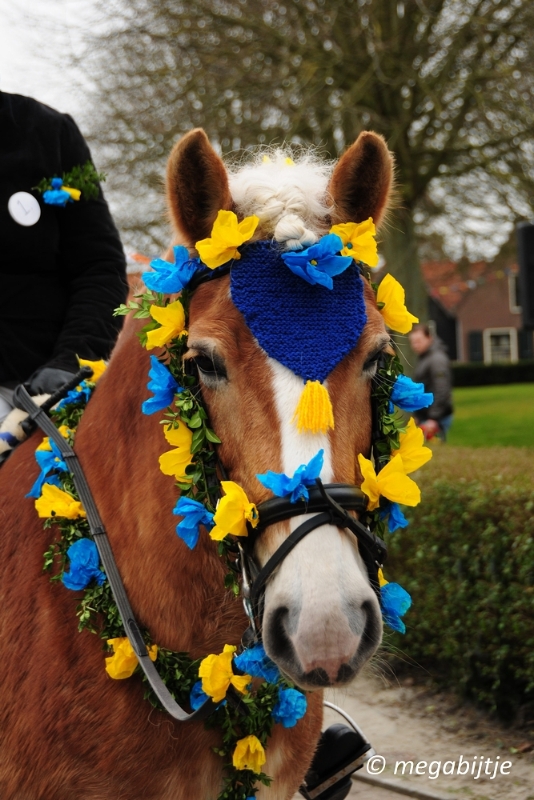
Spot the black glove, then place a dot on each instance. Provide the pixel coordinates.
(47, 380)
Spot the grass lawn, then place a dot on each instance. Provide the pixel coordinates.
(493, 415)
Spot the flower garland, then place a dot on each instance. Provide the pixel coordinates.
(269, 697)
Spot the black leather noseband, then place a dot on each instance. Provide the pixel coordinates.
(333, 501)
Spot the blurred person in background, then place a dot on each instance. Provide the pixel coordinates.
(433, 369)
(62, 266)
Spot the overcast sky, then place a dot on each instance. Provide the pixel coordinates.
(36, 38)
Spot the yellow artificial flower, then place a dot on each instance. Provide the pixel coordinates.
(358, 240)
(74, 193)
(172, 321)
(391, 482)
(381, 580)
(395, 314)
(217, 675)
(411, 449)
(55, 501)
(174, 462)
(45, 444)
(124, 660)
(249, 754)
(232, 512)
(227, 235)
(98, 367)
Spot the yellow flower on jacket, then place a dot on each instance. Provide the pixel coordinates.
(217, 675)
(359, 240)
(124, 660)
(232, 512)
(411, 449)
(54, 501)
(391, 482)
(174, 462)
(395, 314)
(249, 754)
(227, 235)
(98, 367)
(172, 321)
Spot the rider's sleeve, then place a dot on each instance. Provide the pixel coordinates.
(92, 265)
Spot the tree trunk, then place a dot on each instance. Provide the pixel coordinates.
(399, 248)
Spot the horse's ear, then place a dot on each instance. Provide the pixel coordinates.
(197, 186)
(362, 180)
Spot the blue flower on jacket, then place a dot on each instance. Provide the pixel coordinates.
(194, 514)
(409, 396)
(320, 262)
(50, 462)
(282, 485)
(257, 663)
(396, 518)
(84, 561)
(56, 196)
(395, 603)
(80, 394)
(291, 707)
(162, 384)
(170, 278)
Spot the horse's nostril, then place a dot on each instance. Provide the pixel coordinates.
(276, 635)
(345, 674)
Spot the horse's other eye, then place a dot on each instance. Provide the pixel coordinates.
(371, 363)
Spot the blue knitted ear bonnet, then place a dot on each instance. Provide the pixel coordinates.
(307, 328)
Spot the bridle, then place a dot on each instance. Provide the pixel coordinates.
(329, 504)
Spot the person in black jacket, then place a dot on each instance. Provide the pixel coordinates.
(62, 268)
(433, 369)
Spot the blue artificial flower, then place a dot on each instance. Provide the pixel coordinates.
(169, 278)
(194, 514)
(56, 196)
(396, 518)
(395, 603)
(318, 263)
(409, 396)
(162, 384)
(291, 707)
(281, 485)
(256, 662)
(84, 561)
(197, 697)
(79, 395)
(50, 462)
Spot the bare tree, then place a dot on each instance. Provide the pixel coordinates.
(448, 83)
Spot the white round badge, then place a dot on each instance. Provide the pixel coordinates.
(24, 208)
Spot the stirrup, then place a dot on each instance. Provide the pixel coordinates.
(341, 751)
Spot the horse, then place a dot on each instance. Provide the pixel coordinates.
(66, 729)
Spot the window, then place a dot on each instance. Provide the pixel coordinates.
(500, 345)
(513, 294)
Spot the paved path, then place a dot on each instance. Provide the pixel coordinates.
(405, 723)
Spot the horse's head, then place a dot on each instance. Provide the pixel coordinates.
(321, 617)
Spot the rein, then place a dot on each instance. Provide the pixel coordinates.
(100, 537)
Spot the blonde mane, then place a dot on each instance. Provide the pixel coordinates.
(288, 193)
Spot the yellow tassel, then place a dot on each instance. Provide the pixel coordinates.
(314, 411)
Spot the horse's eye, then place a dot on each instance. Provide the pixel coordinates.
(211, 370)
(369, 368)
(205, 364)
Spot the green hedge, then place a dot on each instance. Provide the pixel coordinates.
(467, 559)
(491, 374)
